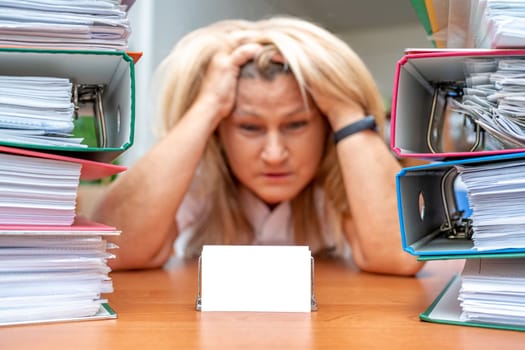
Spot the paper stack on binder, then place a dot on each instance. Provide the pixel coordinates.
(86, 24)
(495, 192)
(51, 274)
(472, 24)
(493, 290)
(497, 24)
(40, 188)
(53, 263)
(489, 293)
(37, 191)
(37, 109)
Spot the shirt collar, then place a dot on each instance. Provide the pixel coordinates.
(271, 226)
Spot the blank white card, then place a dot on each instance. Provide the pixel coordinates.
(256, 278)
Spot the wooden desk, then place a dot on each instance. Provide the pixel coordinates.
(356, 311)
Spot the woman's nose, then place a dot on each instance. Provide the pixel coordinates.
(275, 150)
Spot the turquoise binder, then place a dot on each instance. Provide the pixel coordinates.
(422, 213)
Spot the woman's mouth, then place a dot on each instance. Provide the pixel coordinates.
(277, 176)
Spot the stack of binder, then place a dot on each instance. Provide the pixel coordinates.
(67, 109)
(463, 111)
(54, 263)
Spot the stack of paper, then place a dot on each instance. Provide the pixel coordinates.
(65, 24)
(37, 110)
(494, 98)
(495, 194)
(37, 191)
(54, 273)
(53, 264)
(497, 23)
(493, 291)
(473, 23)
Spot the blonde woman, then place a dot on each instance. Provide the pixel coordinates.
(271, 135)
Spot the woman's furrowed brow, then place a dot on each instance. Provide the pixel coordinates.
(240, 112)
(298, 110)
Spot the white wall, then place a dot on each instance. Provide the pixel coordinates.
(159, 24)
(380, 49)
(142, 39)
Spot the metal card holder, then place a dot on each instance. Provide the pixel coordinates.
(198, 302)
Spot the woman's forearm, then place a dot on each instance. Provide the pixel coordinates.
(144, 200)
(369, 172)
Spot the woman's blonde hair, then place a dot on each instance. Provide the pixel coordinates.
(319, 61)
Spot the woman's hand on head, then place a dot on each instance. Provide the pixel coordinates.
(338, 111)
(218, 89)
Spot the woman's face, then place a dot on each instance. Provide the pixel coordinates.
(273, 142)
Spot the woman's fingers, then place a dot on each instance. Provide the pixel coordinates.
(245, 53)
(278, 57)
(241, 37)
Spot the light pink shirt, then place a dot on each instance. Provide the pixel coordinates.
(272, 227)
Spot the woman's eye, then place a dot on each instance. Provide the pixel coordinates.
(250, 127)
(296, 125)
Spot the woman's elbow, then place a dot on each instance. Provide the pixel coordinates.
(400, 265)
(136, 260)
(118, 264)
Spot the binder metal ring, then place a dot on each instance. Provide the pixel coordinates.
(455, 225)
(92, 93)
(436, 124)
